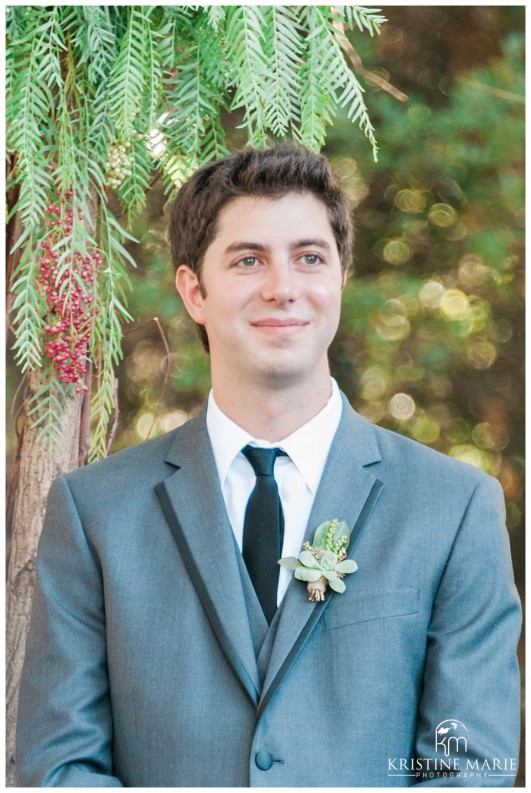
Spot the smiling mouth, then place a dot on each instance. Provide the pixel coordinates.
(280, 327)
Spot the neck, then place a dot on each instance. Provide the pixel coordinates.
(271, 414)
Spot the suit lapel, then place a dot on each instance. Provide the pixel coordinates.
(349, 492)
(194, 508)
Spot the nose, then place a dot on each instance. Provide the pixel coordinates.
(280, 282)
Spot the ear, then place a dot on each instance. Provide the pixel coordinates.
(188, 286)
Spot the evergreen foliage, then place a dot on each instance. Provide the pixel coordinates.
(101, 99)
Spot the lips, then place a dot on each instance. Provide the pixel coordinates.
(279, 323)
(280, 327)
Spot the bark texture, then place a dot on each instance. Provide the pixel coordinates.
(38, 467)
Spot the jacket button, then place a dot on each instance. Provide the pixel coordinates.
(263, 760)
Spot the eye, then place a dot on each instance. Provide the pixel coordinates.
(311, 259)
(248, 262)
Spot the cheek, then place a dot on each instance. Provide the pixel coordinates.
(228, 309)
(325, 295)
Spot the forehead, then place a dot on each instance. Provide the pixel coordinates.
(292, 211)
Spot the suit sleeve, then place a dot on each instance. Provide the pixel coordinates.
(64, 732)
(471, 672)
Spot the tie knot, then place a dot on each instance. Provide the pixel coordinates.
(262, 460)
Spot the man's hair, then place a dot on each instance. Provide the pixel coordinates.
(269, 173)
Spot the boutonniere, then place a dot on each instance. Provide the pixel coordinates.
(323, 562)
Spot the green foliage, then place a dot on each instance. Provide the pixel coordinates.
(285, 54)
(365, 18)
(131, 73)
(48, 403)
(101, 100)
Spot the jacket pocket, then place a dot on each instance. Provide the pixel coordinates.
(371, 606)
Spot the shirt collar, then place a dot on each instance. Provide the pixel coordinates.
(307, 447)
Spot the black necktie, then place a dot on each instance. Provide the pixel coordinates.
(263, 528)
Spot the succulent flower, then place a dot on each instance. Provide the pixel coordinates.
(323, 562)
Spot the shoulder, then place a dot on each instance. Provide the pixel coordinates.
(419, 465)
(131, 458)
(411, 452)
(139, 466)
(123, 475)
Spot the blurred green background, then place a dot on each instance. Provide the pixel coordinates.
(431, 339)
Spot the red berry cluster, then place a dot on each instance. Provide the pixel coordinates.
(69, 297)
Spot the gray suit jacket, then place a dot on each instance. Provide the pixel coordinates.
(149, 661)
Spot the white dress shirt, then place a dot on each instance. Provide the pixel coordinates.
(297, 475)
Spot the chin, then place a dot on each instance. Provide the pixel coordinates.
(282, 374)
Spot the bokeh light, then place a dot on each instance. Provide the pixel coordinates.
(431, 294)
(487, 436)
(425, 429)
(472, 271)
(454, 303)
(412, 201)
(374, 383)
(480, 354)
(402, 406)
(397, 252)
(442, 215)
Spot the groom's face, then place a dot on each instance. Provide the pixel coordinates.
(270, 289)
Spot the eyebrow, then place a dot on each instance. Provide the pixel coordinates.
(316, 242)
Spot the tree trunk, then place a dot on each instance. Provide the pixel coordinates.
(38, 467)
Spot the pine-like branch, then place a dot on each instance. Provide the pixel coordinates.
(343, 85)
(284, 49)
(30, 111)
(318, 94)
(245, 49)
(190, 127)
(370, 19)
(131, 71)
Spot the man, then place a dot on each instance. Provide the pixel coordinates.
(168, 647)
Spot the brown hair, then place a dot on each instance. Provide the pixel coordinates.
(271, 173)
